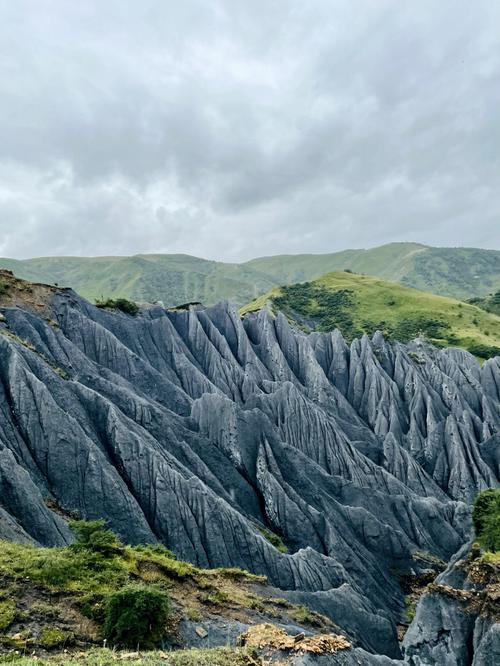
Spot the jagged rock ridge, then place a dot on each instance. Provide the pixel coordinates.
(196, 429)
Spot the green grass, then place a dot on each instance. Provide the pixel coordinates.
(274, 539)
(7, 613)
(178, 278)
(97, 587)
(105, 657)
(410, 609)
(359, 304)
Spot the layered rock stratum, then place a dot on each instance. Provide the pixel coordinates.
(201, 430)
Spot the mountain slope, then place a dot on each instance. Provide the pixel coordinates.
(457, 272)
(392, 262)
(358, 304)
(176, 427)
(172, 279)
(175, 279)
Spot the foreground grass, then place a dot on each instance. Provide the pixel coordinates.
(105, 657)
(358, 304)
(57, 599)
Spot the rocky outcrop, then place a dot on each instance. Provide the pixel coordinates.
(200, 430)
(457, 619)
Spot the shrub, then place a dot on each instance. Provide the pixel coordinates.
(484, 351)
(412, 327)
(123, 304)
(136, 615)
(486, 518)
(92, 535)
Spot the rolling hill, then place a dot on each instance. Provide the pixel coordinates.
(457, 272)
(176, 278)
(358, 304)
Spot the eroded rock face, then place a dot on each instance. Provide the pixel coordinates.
(457, 619)
(197, 429)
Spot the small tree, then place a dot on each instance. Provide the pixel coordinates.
(136, 615)
(486, 518)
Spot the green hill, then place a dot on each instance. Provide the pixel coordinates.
(178, 278)
(173, 279)
(457, 272)
(358, 304)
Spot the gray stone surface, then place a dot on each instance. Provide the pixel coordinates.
(196, 429)
(444, 631)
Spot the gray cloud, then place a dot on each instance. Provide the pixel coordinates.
(231, 129)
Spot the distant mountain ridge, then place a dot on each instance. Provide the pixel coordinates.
(178, 278)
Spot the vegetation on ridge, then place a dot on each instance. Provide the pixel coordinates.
(358, 304)
(97, 588)
(123, 304)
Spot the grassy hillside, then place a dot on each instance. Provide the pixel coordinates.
(457, 272)
(173, 279)
(177, 278)
(357, 304)
(65, 600)
(391, 261)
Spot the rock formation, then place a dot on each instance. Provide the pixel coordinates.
(201, 430)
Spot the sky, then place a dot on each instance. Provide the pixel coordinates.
(235, 129)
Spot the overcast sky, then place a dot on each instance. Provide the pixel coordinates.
(233, 129)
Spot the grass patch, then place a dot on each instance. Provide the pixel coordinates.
(273, 539)
(410, 609)
(7, 613)
(52, 637)
(491, 558)
(97, 588)
(106, 657)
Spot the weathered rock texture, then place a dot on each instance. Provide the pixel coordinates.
(457, 619)
(197, 429)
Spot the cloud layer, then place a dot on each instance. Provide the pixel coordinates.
(231, 129)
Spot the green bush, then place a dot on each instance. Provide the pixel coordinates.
(484, 351)
(92, 535)
(486, 519)
(412, 327)
(123, 304)
(136, 616)
(273, 539)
